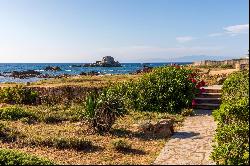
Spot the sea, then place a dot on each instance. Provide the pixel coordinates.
(68, 68)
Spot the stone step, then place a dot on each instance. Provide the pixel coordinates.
(210, 95)
(207, 106)
(200, 100)
(212, 90)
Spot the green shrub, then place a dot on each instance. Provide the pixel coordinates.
(227, 66)
(232, 134)
(187, 112)
(166, 89)
(72, 143)
(14, 157)
(7, 134)
(52, 118)
(15, 113)
(121, 145)
(17, 95)
(235, 87)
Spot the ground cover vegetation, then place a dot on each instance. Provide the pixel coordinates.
(232, 134)
(104, 123)
(13, 157)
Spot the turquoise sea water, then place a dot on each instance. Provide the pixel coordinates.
(68, 69)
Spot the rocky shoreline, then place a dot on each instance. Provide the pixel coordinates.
(27, 74)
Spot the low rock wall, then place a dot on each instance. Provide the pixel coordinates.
(233, 62)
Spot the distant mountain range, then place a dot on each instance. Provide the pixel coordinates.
(193, 58)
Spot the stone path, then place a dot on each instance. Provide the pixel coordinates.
(191, 145)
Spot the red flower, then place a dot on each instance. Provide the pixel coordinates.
(202, 83)
(193, 80)
(198, 86)
(193, 74)
(202, 90)
(193, 102)
(177, 67)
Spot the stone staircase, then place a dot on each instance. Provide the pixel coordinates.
(210, 99)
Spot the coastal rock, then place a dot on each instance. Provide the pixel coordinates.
(44, 76)
(93, 73)
(25, 74)
(107, 61)
(145, 69)
(63, 76)
(75, 66)
(83, 74)
(52, 68)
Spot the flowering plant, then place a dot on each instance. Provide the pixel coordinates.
(198, 86)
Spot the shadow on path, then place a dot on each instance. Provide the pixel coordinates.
(203, 112)
(184, 135)
(143, 136)
(133, 151)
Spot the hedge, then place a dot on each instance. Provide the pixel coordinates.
(232, 133)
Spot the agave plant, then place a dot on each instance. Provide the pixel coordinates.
(90, 105)
(102, 111)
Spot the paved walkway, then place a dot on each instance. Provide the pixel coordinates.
(191, 145)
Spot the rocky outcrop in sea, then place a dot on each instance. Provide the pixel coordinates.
(107, 61)
(53, 68)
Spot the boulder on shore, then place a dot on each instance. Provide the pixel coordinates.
(25, 74)
(52, 68)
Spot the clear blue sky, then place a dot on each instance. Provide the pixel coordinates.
(129, 30)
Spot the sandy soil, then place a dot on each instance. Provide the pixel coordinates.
(225, 71)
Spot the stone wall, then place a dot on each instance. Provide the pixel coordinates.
(237, 63)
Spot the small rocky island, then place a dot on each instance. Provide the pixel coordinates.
(107, 61)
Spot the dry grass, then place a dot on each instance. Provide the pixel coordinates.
(213, 76)
(86, 81)
(145, 148)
